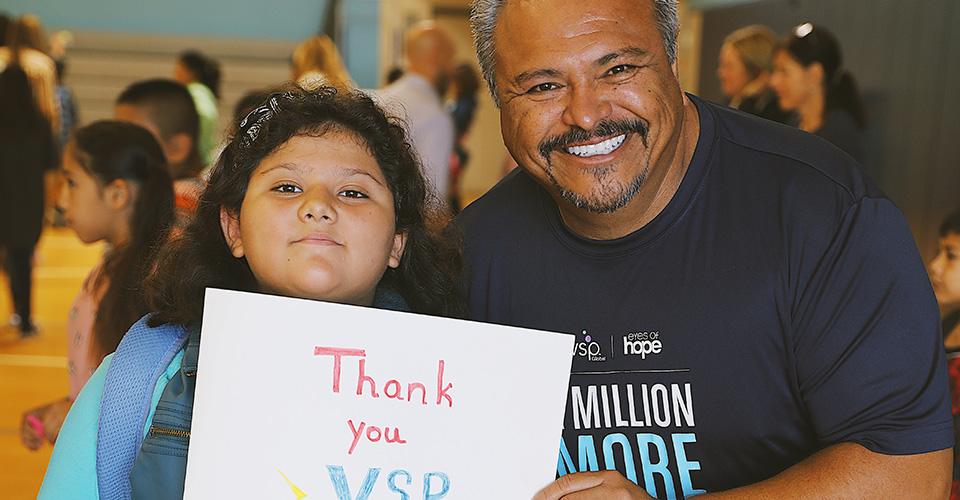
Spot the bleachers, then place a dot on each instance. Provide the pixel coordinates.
(100, 65)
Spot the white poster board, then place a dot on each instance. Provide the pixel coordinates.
(462, 409)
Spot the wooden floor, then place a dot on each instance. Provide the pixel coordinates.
(34, 371)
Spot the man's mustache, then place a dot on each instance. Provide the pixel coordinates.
(606, 128)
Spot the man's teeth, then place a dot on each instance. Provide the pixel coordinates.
(600, 148)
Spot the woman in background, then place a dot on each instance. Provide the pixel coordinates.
(27, 151)
(809, 78)
(316, 63)
(745, 64)
(26, 46)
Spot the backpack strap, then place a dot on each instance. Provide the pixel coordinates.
(142, 356)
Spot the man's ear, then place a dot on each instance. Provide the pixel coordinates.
(399, 242)
(230, 224)
(119, 194)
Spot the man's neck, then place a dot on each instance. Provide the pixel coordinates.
(658, 188)
(426, 75)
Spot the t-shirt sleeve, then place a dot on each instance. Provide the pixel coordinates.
(866, 333)
(72, 471)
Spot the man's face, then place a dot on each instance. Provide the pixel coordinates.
(589, 100)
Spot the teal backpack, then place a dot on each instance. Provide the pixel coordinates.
(130, 465)
(124, 455)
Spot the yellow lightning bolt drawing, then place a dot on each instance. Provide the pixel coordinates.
(296, 491)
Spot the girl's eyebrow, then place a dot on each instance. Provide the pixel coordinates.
(341, 171)
(352, 171)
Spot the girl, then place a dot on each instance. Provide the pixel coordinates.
(945, 277)
(318, 196)
(809, 78)
(117, 190)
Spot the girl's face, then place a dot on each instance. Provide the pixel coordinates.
(732, 73)
(794, 83)
(317, 221)
(945, 272)
(85, 206)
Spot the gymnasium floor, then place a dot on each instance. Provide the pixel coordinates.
(34, 371)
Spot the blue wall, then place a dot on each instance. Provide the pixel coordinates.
(276, 19)
(270, 19)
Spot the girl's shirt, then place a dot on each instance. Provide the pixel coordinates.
(81, 361)
(72, 471)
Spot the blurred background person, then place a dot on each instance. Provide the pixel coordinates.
(69, 116)
(945, 277)
(462, 105)
(117, 190)
(26, 45)
(394, 74)
(417, 97)
(316, 62)
(166, 108)
(201, 75)
(27, 151)
(745, 64)
(810, 80)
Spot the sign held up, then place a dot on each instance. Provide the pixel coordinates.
(299, 398)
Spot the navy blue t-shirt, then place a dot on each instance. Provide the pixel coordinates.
(777, 305)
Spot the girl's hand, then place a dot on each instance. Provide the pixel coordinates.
(31, 429)
(43, 423)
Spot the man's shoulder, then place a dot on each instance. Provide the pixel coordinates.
(506, 204)
(759, 145)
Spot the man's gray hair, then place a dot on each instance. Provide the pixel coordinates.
(483, 20)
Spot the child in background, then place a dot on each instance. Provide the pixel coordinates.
(116, 190)
(317, 196)
(945, 276)
(201, 75)
(166, 108)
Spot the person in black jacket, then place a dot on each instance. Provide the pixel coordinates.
(27, 150)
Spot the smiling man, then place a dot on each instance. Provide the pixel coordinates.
(753, 319)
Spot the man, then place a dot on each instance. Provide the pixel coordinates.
(752, 317)
(166, 108)
(417, 95)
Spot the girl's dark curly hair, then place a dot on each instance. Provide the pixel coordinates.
(200, 258)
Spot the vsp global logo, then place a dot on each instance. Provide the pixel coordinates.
(588, 348)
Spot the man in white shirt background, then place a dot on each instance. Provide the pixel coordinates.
(418, 98)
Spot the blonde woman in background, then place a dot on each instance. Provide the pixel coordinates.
(745, 65)
(26, 46)
(316, 62)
